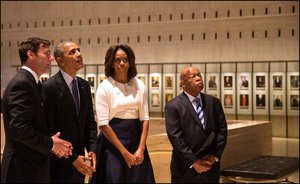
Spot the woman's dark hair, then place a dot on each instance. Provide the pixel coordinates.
(110, 59)
(33, 44)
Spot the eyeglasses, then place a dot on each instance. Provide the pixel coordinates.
(118, 60)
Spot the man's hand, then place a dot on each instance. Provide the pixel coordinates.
(201, 166)
(82, 166)
(92, 156)
(61, 148)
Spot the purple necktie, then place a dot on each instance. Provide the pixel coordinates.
(75, 94)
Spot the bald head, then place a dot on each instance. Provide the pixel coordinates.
(191, 80)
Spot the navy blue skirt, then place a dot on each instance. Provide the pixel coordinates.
(111, 166)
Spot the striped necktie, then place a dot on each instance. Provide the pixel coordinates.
(75, 94)
(199, 111)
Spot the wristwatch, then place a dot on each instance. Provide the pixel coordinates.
(216, 159)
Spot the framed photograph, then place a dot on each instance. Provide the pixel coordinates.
(101, 77)
(143, 77)
(91, 78)
(277, 82)
(155, 100)
(294, 102)
(260, 82)
(244, 101)
(228, 101)
(294, 81)
(293, 93)
(212, 84)
(228, 81)
(277, 101)
(169, 81)
(44, 77)
(243, 81)
(155, 81)
(260, 101)
(212, 81)
(168, 97)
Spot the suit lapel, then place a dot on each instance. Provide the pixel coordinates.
(63, 87)
(186, 103)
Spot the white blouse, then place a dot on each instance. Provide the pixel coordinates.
(124, 101)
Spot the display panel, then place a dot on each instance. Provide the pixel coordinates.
(293, 81)
(294, 102)
(155, 82)
(169, 81)
(244, 93)
(293, 93)
(260, 92)
(228, 101)
(144, 78)
(260, 101)
(228, 81)
(155, 100)
(212, 84)
(155, 92)
(91, 78)
(228, 92)
(278, 93)
(169, 88)
(243, 81)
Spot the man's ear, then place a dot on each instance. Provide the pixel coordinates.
(30, 54)
(59, 61)
(181, 84)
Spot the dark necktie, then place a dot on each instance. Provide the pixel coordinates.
(199, 111)
(39, 84)
(75, 94)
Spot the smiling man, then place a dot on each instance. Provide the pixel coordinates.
(68, 103)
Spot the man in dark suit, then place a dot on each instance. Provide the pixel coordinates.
(71, 112)
(28, 146)
(198, 143)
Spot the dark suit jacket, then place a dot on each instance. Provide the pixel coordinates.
(187, 136)
(80, 130)
(26, 156)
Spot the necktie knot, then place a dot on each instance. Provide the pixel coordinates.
(197, 101)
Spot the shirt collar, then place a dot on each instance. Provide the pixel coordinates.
(67, 77)
(36, 78)
(191, 98)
